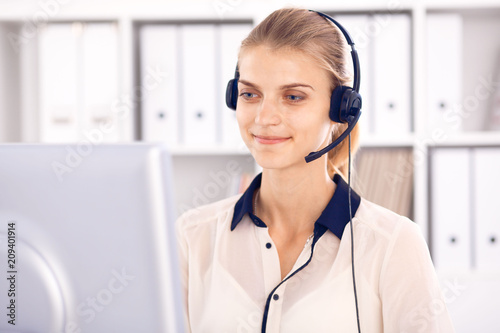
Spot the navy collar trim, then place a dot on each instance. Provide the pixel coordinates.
(335, 216)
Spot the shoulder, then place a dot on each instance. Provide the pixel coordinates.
(396, 253)
(209, 215)
(383, 221)
(395, 242)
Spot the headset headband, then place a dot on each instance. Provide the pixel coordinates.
(354, 53)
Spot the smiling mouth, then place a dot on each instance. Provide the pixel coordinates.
(270, 140)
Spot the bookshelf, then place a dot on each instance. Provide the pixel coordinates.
(22, 91)
(17, 17)
(479, 52)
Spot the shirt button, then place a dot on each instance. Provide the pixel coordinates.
(268, 245)
(276, 297)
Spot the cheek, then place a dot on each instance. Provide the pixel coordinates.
(316, 129)
(240, 118)
(323, 134)
(244, 120)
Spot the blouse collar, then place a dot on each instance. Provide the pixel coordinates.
(334, 217)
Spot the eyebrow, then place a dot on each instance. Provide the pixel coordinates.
(283, 87)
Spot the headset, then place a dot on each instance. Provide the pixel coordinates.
(345, 102)
(345, 107)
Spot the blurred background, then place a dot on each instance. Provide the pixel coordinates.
(93, 72)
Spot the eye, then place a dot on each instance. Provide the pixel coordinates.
(294, 98)
(248, 95)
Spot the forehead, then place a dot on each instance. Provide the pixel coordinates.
(263, 64)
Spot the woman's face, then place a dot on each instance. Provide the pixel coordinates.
(283, 104)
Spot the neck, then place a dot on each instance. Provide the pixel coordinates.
(292, 199)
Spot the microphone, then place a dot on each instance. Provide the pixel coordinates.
(352, 122)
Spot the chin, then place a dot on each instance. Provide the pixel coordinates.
(277, 160)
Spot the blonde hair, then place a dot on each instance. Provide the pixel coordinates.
(308, 32)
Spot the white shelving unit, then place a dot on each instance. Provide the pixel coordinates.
(19, 68)
(19, 117)
(20, 89)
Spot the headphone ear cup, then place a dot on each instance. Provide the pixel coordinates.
(232, 94)
(350, 106)
(336, 103)
(345, 104)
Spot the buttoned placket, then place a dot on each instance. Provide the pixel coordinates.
(272, 275)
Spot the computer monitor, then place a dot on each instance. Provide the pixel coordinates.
(87, 241)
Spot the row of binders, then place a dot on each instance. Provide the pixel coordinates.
(449, 108)
(78, 82)
(186, 106)
(184, 68)
(465, 228)
(383, 43)
(385, 177)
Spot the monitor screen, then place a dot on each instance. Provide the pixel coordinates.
(87, 241)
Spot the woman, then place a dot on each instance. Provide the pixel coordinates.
(278, 258)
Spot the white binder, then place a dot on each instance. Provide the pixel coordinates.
(444, 71)
(450, 208)
(392, 74)
(160, 103)
(486, 211)
(230, 36)
(100, 81)
(198, 84)
(358, 26)
(58, 82)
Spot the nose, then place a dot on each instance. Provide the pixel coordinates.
(268, 113)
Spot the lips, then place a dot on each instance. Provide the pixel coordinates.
(270, 140)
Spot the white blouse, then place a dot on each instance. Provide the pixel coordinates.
(230, 270)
